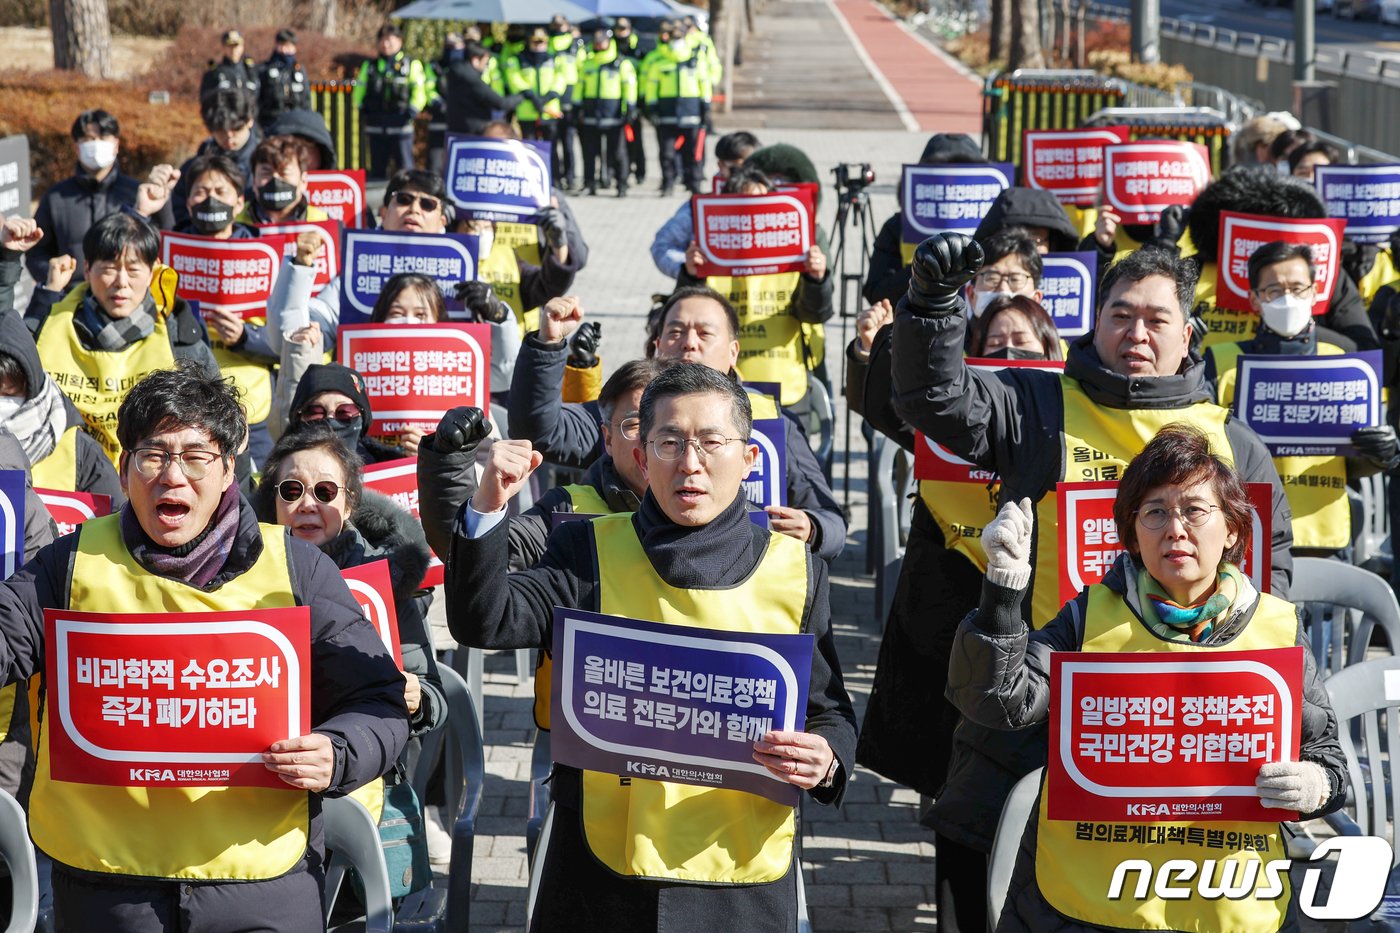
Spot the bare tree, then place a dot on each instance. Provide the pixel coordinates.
(1025, 36)
(1000, 42)
(82, 38)
(322, 17)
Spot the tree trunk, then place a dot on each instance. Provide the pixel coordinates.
(82, 38)
(322, 18)
(1066, 29)
(1000, 40)
(1025, 36)
(724, 22)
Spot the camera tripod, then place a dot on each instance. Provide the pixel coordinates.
(852, 209)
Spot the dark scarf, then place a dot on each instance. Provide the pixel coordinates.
(1272, 344)
(97, 327)
(196, 562)
(719, 555)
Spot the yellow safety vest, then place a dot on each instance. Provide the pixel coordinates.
(961, 511)
(59, 470)
(770, 339)
(96, 381)
(678, 832)
(199, 833)
(512, 244)
(1382, 273)
(253, 379)
(762, 405)
(1097, 443)
(586, 501)
(1074, 874)
(1316, 487)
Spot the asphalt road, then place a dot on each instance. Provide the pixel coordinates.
(1278, 21)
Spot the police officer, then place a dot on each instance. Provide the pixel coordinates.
(569, 52)
(389, 92)
(607, 96)
(629, 45)
(454, 50)
(534, 73)
(234, 70)
(282, 81)
(677, 91)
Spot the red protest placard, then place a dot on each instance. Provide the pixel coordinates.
(1143, 179)
(760, 234)
(175, 699)
(327, 260)
(1242, 234)
(1089, 542)
(374, 591)
(71, 509)
(1151, 737)
(340, 193)
(1068, 163)
(398, 479)
(416, 372)
(235, 275)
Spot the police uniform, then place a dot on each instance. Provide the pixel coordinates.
(569, 53)
(230, 75)
(389, 93)
(677, 94)
(607, 97)
(283, 86)
(547, 79)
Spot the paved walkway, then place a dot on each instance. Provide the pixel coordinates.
(868, 866)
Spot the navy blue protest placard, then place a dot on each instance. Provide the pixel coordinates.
(766, 483)
(1309, 406)
(12, 483)
(674, 702)
(1067, 287)
(1367, 197)
(498, 179)
(938, 198)
(372, 257)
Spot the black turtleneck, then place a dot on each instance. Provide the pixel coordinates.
(718, 555)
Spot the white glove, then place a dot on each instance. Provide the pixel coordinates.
(1007, 542)
(1293, 785)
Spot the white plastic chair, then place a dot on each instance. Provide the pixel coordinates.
(823, 440)
(353, 841)
(541, 766)
(1366, 700)
(1007, 842)
(19, 855)
(464, 775)
(1342, 605)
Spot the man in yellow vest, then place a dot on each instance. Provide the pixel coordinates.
(1123, 381)
(711, 856)
(163, 858)
(1281, 292)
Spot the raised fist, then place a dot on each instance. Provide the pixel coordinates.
(583, 349)
(462, 428)
(1171, 225)
(508, 469)
(943, 264)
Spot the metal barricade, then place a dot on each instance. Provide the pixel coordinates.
(1203, 125)
(1041, 99)
(331, 99)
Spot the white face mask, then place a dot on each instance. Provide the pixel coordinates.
(678, 46)
(484, 241)
(97, 154)
(981, 299)
(1286, 315)
(9, 404)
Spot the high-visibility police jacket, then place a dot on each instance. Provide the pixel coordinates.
(568, 55)
(1074, 872)
(607, 88)
(709, 55)
(548, 78)
(390, 91)
(203, 833)
(655, 829)
(1316, 486)
(676, 89)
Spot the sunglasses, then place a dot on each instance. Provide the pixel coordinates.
(291, 490)
(342, 413)
(408, 199)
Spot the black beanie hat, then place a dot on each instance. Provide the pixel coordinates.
(332, 377)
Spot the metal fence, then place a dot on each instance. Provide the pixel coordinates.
(331, 99)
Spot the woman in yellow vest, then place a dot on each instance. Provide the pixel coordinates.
(162, 857)
(1184, 517)
(526, 265)
(1281, 292)
(772, 308)
(638, 854)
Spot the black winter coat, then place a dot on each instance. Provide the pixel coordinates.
(69, 209)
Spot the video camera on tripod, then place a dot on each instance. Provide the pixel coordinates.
(854, 176)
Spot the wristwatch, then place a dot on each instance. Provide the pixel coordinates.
(830, 778)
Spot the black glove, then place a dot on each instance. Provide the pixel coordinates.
(943, 264)
(583, 348)
(462, 428)
(556, 232)
(480, 300)
(1171, 225)
(1378, 446)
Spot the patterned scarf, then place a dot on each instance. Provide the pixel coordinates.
(1195, 622)
(40, 422)
(196, 562)
(115, 334)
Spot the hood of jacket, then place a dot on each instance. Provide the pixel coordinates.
(16, 341)
(310, 125)
(1112, 390)
(1248, 189)
(788, 163)
(951, 148)
(1030, 207)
